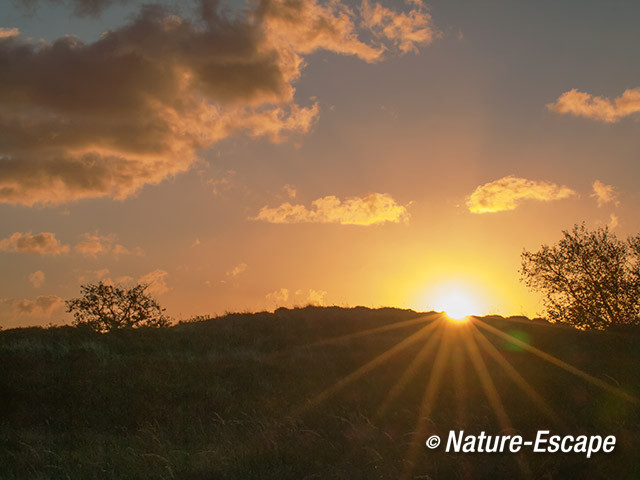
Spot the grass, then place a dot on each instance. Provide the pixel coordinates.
(262, 396)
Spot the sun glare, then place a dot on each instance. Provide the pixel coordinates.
(457, 304)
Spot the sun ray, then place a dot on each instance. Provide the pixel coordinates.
(355, 335)
(491, 393)
(409, 372)
(460, 387)
(559, 363)
(516, 377)
(428, 401)
(367, 367)
(485, 380)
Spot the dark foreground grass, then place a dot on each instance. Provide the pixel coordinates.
(240, 397)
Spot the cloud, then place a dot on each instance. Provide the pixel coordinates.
(406, 31)
(157, 281)
(371, 209)
(40, 310)
(94, 245)
(604, 194)
(508, 192)
(37, 278)
(316, 297)
(237, 270)
(279, 296)
(43, 305)
(290, 190)
(103, 119)
(222, 184)
(585, 105)
(9, 32)
(306, 297)
(44, 243)
(614, 221)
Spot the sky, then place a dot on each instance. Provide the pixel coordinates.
(245, 156)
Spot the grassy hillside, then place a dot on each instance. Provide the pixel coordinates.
(275, 396)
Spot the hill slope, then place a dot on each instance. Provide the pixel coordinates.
(313, 393)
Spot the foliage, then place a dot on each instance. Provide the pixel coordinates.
(589, 279)
(107, 307)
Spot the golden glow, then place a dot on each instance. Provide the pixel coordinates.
(457, 304)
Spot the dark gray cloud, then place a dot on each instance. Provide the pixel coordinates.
(85, 120)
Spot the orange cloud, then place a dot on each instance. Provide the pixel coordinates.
(135, 107)
(604, 194)
(237, 270)
(371, 209)
(279, 296)
(44, 243)
(37, 278)
(94, 245)
(508, 192)
(157, 281)
(614, 221)
(44, 304)
(582, 104)
(406, 31)
(9, 32)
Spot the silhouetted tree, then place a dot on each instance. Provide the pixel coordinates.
(107, 307)
(589, 279)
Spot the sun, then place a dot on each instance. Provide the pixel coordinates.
(457, 304)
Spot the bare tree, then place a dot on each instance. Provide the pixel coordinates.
(589, 279)
(107, 307)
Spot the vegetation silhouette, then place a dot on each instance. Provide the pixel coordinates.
(589, 279)
(315, 392)
(104, 308)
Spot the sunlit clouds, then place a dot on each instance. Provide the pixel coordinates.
(86, 120)
(156, 280)
(299, 297)
(36, 278)
(375, 208)
(581, 104)
(44, 243)
(604, 194)
(16, 312)
(508, 193)
(94, 245)
(8, 32)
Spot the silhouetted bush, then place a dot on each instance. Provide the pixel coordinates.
(590, 279)
(107, 307)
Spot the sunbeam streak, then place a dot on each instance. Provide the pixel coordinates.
(428, 401)
(516, 377)
(410, 371)
(485, 380)
(491, 393)
(355, 335)
(367, 367)
(559, 363)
